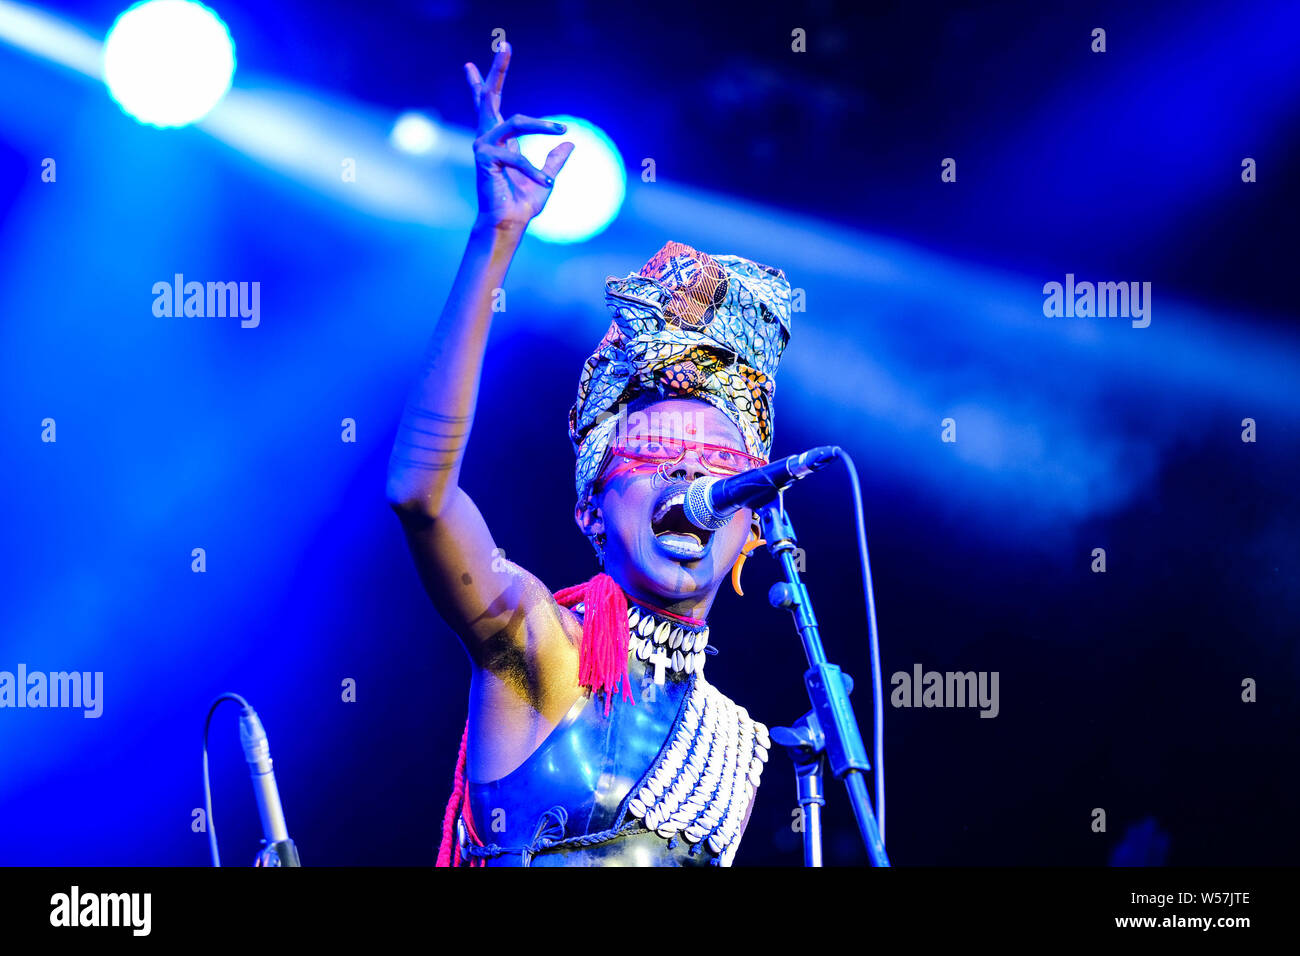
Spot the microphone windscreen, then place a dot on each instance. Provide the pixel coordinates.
(698, 510)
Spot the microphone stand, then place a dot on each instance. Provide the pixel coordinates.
(830, 728)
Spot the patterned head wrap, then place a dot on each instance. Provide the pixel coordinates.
(687, 325)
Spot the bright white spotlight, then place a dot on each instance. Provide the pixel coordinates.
(168, 62)
(588, 192)
(414, 133)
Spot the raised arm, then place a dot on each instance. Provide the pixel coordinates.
(497, 611)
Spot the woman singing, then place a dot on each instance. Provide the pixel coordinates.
(593, 737)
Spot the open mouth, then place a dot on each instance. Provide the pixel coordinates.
(673, 531)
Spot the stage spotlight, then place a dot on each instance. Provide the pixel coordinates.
(588, 193)
(168, 62)
(414, 133)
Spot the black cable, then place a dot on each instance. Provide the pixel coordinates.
(877, 684)
(207, 785)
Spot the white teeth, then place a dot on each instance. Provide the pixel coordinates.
(674, 499)
(686, 546)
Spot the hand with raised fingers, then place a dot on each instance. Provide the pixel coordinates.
(511, 190)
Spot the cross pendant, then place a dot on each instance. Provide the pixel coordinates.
(660, 660)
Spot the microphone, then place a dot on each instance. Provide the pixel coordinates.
(710, 502)
(279, 850)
